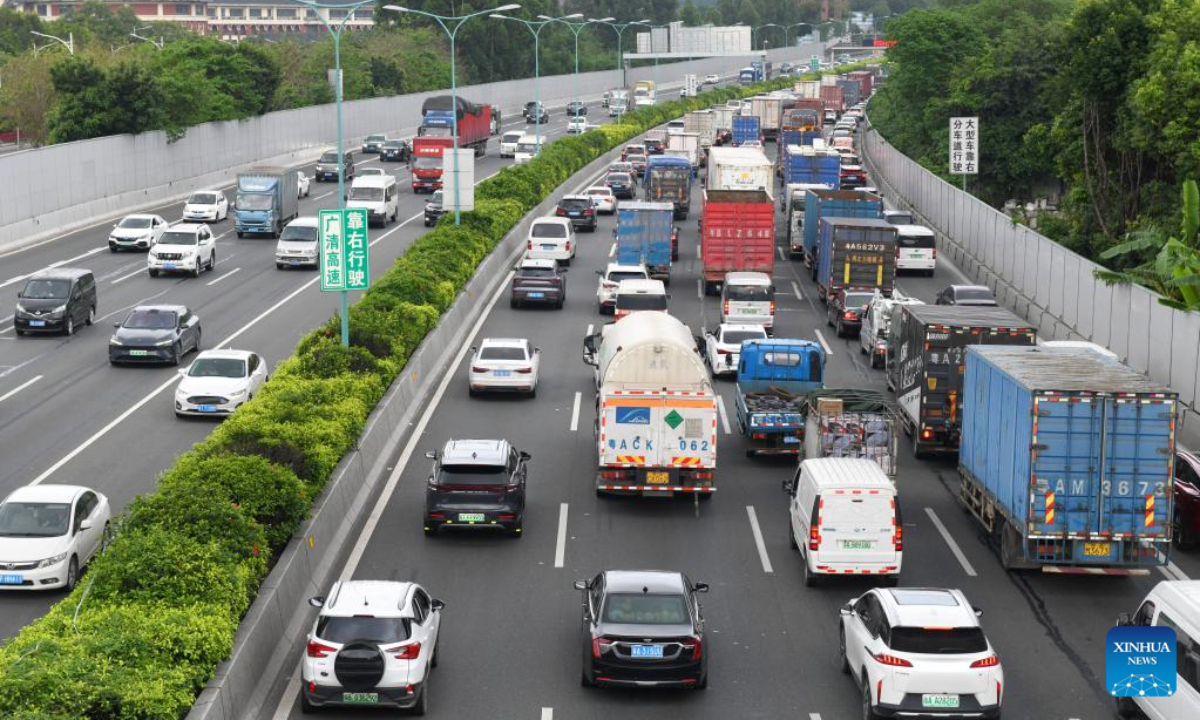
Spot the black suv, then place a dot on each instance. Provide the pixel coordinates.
(533, 109)
(476, 483)
(539, 282)
(327, 166)
(395, 151)
(580, 209)
(846, 308)
(576, 109)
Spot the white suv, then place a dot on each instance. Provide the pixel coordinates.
(187, 247)
(372, 644)
(918, 652)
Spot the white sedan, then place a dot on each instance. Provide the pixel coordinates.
(136, 232)
(603, 198)
(577, 126)
(504, 365)
(219, 381)
(302, 185)
(723, 348)
(48, 533)
(206, 206)
(711, 79)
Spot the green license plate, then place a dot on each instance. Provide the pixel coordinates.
(364, 698)
(857, 545)
(471, 517)
(939, 701)
(139, 353)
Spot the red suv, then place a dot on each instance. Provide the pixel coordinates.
(1187, 499)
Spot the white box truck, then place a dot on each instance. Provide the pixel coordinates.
(740, 168)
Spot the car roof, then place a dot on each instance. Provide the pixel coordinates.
(575, 197)
(146, 216)
(539, 264)
(186, 227)
(160, 308)
(913, 230)
(747, 278)
(737, 327)
(1181, 595)
(847, 473)
(655, 581)
(397, 141)
(228, 354)
(518, 133)
(378, 598)
(474, 452)
(62, 273)
(641, 287)
(218, 191)
(552, 221)
(304, 221)
(45, 493)
(503, 342)
(373, 181)
(957, 288)
(597, 189)
(927, 607)
(618, 267)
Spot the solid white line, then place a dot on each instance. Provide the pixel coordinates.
(575, 413)
(318, 197)
(700, 288)
(723, 414)
(26, 384)
(796, 289)
(814, 716)
(612, 250)
(560, 546)
(123, 278)
(1171, 571)
(958, 553)
(780, 250)
(758, 540)
(547, 713)
(222, 277)
(825, 345)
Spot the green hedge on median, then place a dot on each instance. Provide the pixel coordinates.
(158, 610)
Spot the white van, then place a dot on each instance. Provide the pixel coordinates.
(527, 149)
(509, 142)
(551, 238)
(916, 249)
(297, 246)
(378, 194)
(1174, 604)
(748, 298)
(845, 519)
(640, 296)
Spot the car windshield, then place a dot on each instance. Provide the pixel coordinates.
(921, 240)
(205, 198)
(648, 301)
(299, 233)
(376, 138)
(473, 475)
(646, 609)
(394, 144)
(637, 159)
(218, 367)
(538, 272)
(854, 300)
(548, 230)
(150, 320)
(427, 163)
(671, 174)
(368, 194)
(620, 178)
(254, 202)
(136, 223)
(527, 148)
(900, 218)
(512, 138)
(381, 631)
(936, 641)
(34, 519)
(626, 275)
(749, 293)
(737, 337)
(499, 352)
(436, 198)
(177, 237)
(329, 158)
(973, 294)
(575, 203)
(599, 192)
(47, 289)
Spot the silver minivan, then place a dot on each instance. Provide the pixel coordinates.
(748, 298)
(297, 246)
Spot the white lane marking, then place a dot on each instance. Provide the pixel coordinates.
(1171, 571)
(700, 288)
(547, 713)
(575, 413)
(123, 278)
(780, 250)
(958, 553)
(612, 250)
(560, 545)
(758, 540)
(724, 415)
(589, 330)
(824, 345)
(814, 716)
(89, 253)
(796, 289)
(222, 277)
(19, 388)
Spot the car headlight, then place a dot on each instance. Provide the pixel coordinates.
(164, 343)
(52, 560)
(237, 393)
(60, 309)
(115, 341)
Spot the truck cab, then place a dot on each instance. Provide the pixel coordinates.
(773, 378)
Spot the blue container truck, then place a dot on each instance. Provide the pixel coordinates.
(834, 203)
(857, 253)
(1067, 459)
(267, 199)
(806, 165)
(746, 128)
(774, 377)
(669, 179)
(643, 236)
(746, 76)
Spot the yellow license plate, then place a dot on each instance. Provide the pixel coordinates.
(658, 478)
(1096, 549)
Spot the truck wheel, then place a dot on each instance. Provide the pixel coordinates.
(241, 234)
(918, 453)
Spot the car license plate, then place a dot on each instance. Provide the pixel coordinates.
(939, 701)
(658, 478)
(207, 408)
(139, 353)
(857, 544)
(11, 579)
(471, 517)
(537, 295)
(293, 262)
(646, 651)
(574, 213)
(1096, 549)
(362, 698)
(791, 440)
(37, 323)
(168, 266)
(547, 247)
(502, 373)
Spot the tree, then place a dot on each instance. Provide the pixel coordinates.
(1174, 271)
(15, 27)
(689, 14)
(94, 102)
(27, 95)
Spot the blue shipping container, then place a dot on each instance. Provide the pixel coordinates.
(803, 166)
(835, 203)
(1074, 449)
(745, 127)
(644, 233)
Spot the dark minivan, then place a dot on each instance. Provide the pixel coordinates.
(57, 300)
(476, 483)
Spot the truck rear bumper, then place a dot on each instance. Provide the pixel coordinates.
(645, 480)
(1075, 570)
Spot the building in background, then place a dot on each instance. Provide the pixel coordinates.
(699, 41)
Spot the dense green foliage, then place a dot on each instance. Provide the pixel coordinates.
(158, 610)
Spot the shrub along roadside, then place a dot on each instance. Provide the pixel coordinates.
(159, 608)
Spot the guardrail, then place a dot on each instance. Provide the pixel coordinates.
(1041, 280)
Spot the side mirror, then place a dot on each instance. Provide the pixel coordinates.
(700, 587)
(431, 454)
(85, 525)
(845, 610)
(1124, 620)
(582, 585)
(437, 604)
(473, 348)
(788, 486)
(598, 272)
(183, 371)
(978, 612)
(116, 324)
(318, 601)
(526, 456)
(537, 350)
(21, 294)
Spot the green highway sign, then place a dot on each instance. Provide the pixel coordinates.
(345, 264)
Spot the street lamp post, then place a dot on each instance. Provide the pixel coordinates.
(69, 43)
(537, 67)
(760, 28)
(159, 43)
(576, 28)
(620, 28)
(458, 21)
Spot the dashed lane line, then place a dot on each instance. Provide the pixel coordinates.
(758, 540)
(954, 548)
(19, 388)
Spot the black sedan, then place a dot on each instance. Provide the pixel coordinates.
(576, 109)
(155, 334)
(539, 282)
(974, 295)
(395, 151)
(434, 208)
(621, 185)
(643, 628)
(846, 308)
(476, 484)
(580, 209)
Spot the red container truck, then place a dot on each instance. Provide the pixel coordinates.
(737, 234)
(834, 97)
(475, 124)
(865, 80)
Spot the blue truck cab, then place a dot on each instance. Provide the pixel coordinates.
(267, 199)
(773, 380)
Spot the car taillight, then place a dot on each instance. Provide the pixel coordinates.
(600, 645)
(898, 538)
(696, 645)
(560, 211)
(589, 212)
(724, 352)
(567, 247)
(477, 369)
(926, 434)
(890, 660)
(814, 530)
(525, 371)
(318, 650)
(405, 652)
(528, 244)
(897, 252)
(849, 315)
(726, 307)
(935, 253)
(989, 661)
(771, 307)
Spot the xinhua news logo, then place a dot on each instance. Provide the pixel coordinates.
(1140, 661)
